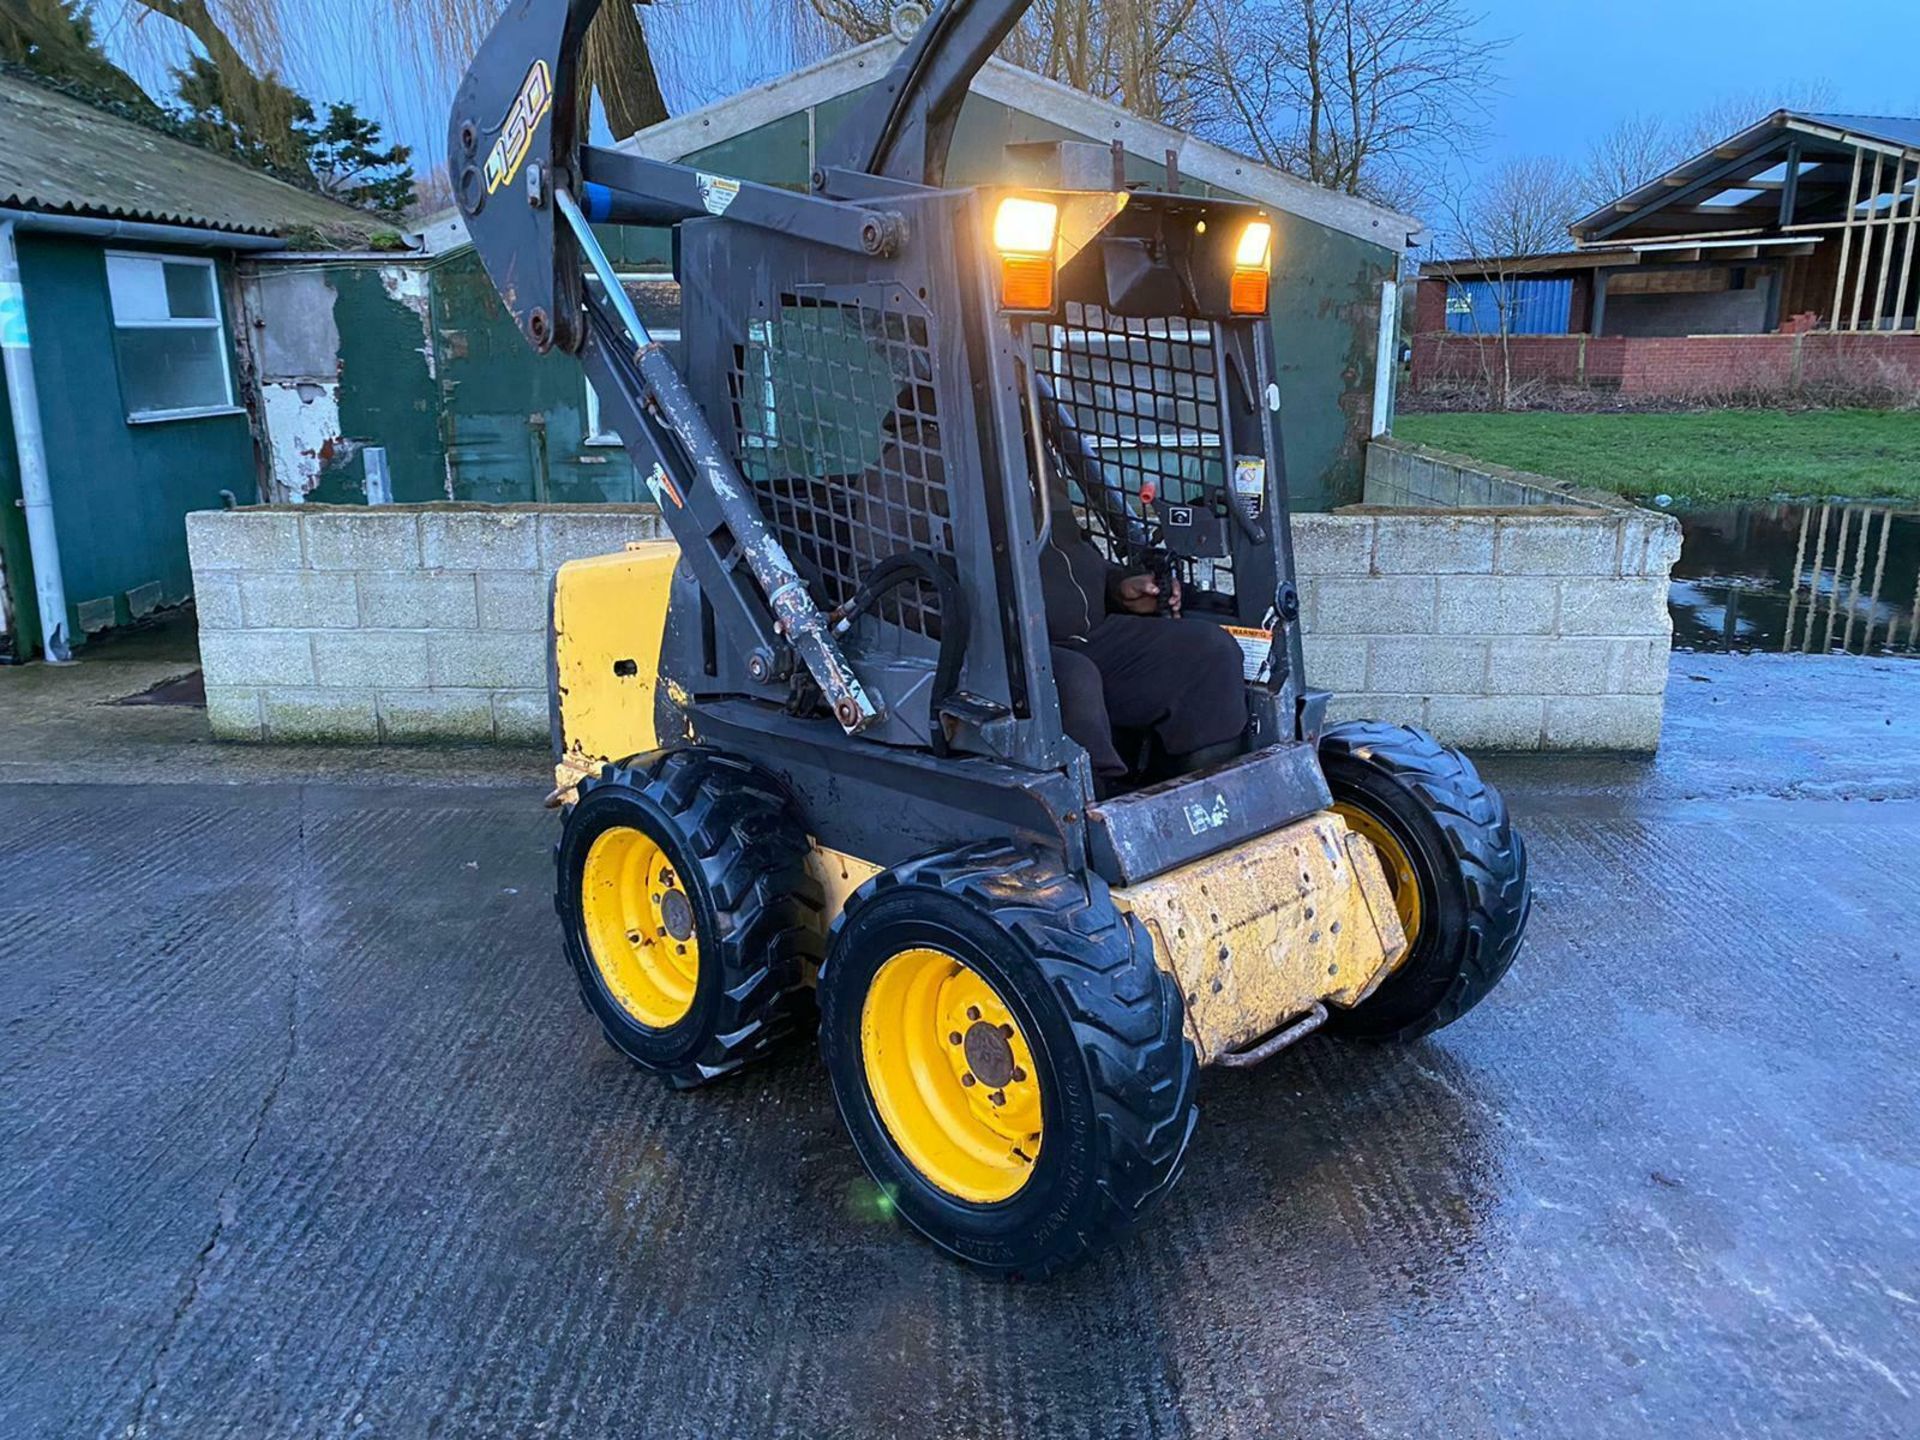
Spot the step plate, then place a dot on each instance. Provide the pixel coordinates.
(1256, 934)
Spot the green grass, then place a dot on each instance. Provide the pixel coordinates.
(1700, 456)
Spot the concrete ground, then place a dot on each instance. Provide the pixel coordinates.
(303, 1133)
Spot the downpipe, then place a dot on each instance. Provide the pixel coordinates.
(36, 493)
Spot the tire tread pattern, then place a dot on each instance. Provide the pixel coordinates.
(750, 845)
(1492, 857)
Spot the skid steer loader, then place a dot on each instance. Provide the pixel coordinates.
(810, 752)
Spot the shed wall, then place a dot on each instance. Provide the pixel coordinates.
(120, 490)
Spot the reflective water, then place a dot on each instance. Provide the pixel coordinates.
(1812, 578)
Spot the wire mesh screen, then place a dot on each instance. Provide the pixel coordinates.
(1130, 411)
(839, 434)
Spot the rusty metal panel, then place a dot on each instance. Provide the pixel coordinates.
(1257, 934)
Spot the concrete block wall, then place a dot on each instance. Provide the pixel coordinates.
(1535, 618)
(1495, 627)
(396, 623)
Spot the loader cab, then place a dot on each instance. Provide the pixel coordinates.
(1031, 352)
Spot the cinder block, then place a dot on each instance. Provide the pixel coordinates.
(481, 540)
(490, 660)
(1496, 604)
(233, 712)
(299, 600)
(1427, 665)
(520, 716)
(1649, 544)
(1639, 667)
(512, 600)
(1433, 544)
(371, 660)
(1385, 605)
(216, 600)
(1397, 709)
(243, 540)
(1491, 722)
(402, 600)
(1333, 544)
(436, 715)
(1526, 665)
(298, 715)
(1614, 607)
(377, 539)
(1604, 722)
(565, 537)
(246, 657)
(1553, 545)
(1336, 662)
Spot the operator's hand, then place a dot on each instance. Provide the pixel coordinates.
(1140, 594)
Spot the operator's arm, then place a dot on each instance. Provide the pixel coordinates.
(1139, 594)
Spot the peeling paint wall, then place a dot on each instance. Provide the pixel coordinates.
(346, 359)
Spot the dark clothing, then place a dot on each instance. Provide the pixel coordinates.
(1180, 678)
(1079, 584)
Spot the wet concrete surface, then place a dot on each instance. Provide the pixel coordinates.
(304, 1133)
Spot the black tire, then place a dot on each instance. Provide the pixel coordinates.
(739, 848)
(1469, 861)
(1104, 1025)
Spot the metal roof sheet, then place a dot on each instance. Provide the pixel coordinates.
(63, 156)
(1894, 129)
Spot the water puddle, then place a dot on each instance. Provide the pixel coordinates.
(1816, 579)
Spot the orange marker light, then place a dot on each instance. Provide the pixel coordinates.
(1025, 232)
(1252, 258)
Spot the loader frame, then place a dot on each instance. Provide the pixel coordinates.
(895, 736)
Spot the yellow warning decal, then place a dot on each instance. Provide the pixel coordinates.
(1256, 650)
(516, 136)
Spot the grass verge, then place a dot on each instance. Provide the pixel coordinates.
(1697, 456)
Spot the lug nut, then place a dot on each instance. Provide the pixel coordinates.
(973, 1012)
(954, 1038)
(968, 1080)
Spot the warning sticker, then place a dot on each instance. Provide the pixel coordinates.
(1256, 650)
(717, 192)
(1250, 483)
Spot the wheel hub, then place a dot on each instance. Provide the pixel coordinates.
(989, 1056)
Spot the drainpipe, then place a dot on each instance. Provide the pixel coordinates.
(36, 497)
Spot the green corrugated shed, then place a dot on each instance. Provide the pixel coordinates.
(513, 426)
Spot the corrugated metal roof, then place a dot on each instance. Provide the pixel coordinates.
(1894, 129)
(63, 156)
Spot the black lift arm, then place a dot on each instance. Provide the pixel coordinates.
(530, 192)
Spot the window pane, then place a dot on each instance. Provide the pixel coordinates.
(139, 289)
(164, 370)
(190, 291)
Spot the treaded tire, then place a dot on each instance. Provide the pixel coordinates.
(739, 846)
(1470, 862)
(1104, 1023)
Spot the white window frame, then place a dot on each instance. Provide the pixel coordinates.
(217, 323)
(597, 437)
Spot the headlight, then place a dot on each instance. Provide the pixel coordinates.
(1025, 232)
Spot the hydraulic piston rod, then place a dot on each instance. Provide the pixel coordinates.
(665, 395)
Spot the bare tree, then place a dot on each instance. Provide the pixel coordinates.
(1519, 208)
(1626, 156)
(1364, 96)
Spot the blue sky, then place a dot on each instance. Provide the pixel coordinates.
(1572, 70)
(1568, 73)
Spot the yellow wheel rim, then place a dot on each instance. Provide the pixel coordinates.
(1394, 859)
(640, 927)
(952, 1076)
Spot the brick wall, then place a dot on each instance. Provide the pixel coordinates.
(399, 623)
(1679, 365)
(1496, 627)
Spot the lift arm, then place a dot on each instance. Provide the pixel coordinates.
(515, 158)
(530, 192)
